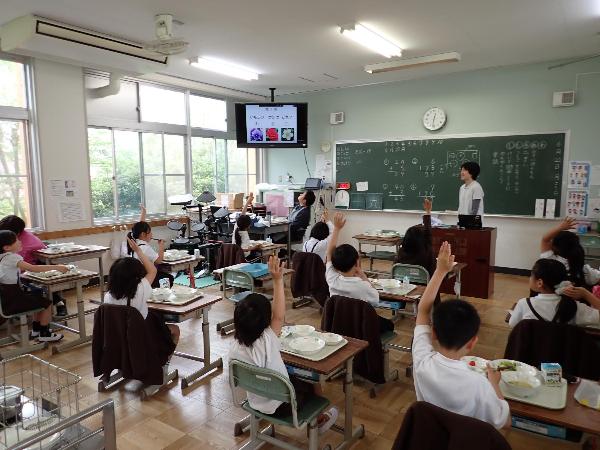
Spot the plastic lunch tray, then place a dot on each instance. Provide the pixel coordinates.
(255, 270)
(549, 396)
(328, 350)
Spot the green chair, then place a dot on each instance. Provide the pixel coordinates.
(243, 283)
(272, 385)
(22, 338)
(380, 254)
(416, 274)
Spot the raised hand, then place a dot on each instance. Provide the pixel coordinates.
(567, 223)
(275, 268)
(427, 203)
(339, 220)
(445, 259)
(325, 215)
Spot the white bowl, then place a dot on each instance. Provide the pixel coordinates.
(331, 338)
(519, 366)
(303, 330)
(308, 345)
(521, 384)
(161, 293)
(388, 283)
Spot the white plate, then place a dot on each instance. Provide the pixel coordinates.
(303, 330)
(388, 283)
(184, 291)
(476, 364)
(331, 338)
(161, 293)
(308, 345)
(286, 331)
(520, 366)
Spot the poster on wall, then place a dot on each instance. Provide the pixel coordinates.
(577, 202)
(579, 174)
(64, 189)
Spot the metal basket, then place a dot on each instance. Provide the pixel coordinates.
(35, 396)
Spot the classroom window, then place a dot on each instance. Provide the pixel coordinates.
(18, 163)
(162, 105)
(241, 168)
(208, 113)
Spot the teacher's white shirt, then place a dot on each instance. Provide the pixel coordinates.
(466, 195)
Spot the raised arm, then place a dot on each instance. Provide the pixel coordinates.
(161, 252)
(581, 293)
(148, 265)
(546, 243)
(278, 307)
(248, 203)
(338, 223)
(427, 204)
(445, 262)
(142, 213)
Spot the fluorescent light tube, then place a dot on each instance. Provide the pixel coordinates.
(371, 40)
(412, 62)
(224, 68)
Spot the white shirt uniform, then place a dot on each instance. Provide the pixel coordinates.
(313, 245)
(466, 195)
(245, 237)
(353, 287)
(265, 353)
(144, 246)
(139, 301)
(545, 305)
(450, 384)
(9, 270)
(591, 275)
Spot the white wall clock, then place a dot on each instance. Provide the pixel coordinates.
(434, 119)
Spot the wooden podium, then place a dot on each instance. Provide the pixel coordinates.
(477, 248)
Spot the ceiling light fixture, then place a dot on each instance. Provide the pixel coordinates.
(224, 68)
(412, 62)
(371, 40)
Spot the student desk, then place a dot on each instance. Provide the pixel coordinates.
(574, 416)
(51, 286)
(195, 309)
(265, 282)
(341, 360)
(91, 252)
(277, 226)
(270, 249)
(382, 241)
(182, 264)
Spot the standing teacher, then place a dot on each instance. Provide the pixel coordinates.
(470, 196)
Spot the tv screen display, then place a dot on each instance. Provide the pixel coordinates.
(271, 125)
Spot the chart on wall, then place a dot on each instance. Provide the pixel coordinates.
(515, 170)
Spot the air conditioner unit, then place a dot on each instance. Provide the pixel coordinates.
(565, 98)
(40, 37)
(336, 118)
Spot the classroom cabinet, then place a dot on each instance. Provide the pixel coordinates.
(476, 248)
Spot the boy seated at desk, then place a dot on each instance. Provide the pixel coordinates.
(344, 274)
(257, 327)
(441, 378)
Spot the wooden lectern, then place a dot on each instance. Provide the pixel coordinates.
(477, 248)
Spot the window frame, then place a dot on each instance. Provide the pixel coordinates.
(28, 117)
(187, 131)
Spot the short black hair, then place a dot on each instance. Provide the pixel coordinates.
(12, 223)
(251, 317)
(124, 276)
(455, 322)
(472, 167)
(319, 231)
(7, 237)
(344, 257)
(309, 198)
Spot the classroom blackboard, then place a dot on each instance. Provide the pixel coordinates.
(515, 170)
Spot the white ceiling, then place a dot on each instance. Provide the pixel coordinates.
(284, 40)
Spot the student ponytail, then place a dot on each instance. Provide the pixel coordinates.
(555, 278)
(243, 222)
(567, 245)
(136, 230)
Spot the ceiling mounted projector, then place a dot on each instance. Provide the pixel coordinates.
(166, 44)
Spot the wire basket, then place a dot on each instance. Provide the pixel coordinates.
(35, 396)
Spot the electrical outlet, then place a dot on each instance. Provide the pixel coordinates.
(280, 178)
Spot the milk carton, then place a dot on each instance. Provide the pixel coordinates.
(551, 373)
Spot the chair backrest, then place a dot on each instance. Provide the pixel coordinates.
(263, 382)
(8, 316)
(238, 279)
(416, 274)
(309, 276)
(230, 255)
(429, 427)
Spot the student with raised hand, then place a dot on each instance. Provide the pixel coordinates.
(130, 281)
(240, 231)
(555, 299)
(257, 327)
(441, 378)
(563, 245)
(344, 273)
(14, 299)
(416, 244)
(320, 235)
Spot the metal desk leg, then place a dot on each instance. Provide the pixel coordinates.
(208, 366)
(83, 338)
(457, 284)
(191, 274)
(101, 279)
(350, 435)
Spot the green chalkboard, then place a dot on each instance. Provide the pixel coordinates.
(515, 170)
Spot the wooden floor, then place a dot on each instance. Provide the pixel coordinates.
(203, 416)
